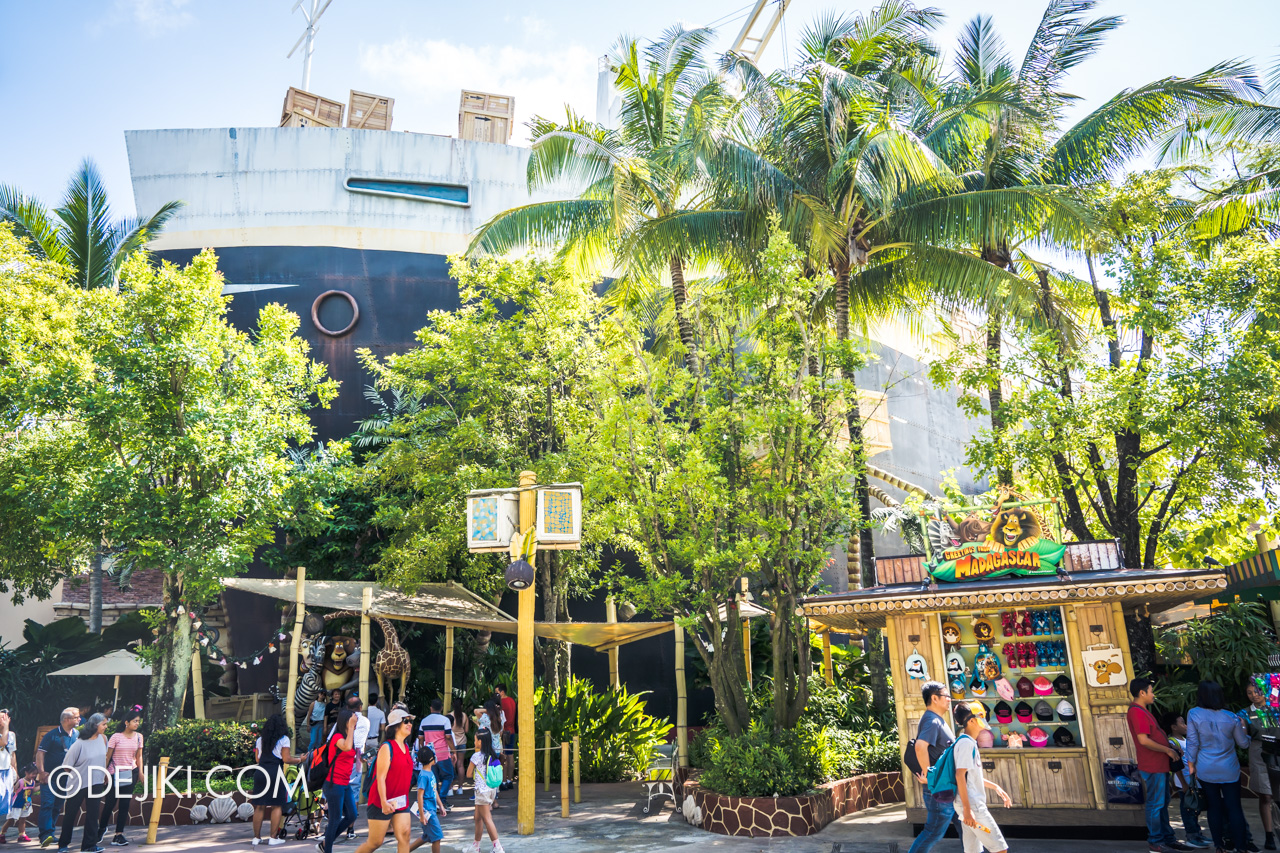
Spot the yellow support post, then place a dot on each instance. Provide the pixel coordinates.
(197, 684)
(577, 769)
(611, 616)
(526, 745)
(448, 669)
(157, 804)
(366, 604)
(682, 702)
(546, 764)
(827, 672)
(300, 596)
(564, 778)
(746, 647)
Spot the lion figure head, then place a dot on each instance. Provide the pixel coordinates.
(1014, 529)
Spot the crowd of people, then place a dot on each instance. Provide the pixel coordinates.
(405, 770)
(1193, 756)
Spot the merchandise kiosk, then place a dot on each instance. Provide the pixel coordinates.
(1043, 647)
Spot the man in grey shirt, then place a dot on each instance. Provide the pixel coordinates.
(933, 736)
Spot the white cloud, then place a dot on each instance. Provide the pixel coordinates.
(427, 76)
(157, 16)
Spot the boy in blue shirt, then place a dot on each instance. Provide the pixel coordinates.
(429, 804)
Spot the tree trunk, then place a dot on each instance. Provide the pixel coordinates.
(791, 665)
(172, 668)
(555, 653)
(995, 394)
(95, 591)
(727, 671)
(679, 295)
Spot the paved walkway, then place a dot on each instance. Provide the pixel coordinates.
(609, 820)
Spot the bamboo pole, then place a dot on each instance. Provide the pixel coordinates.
(197, 684)
(682, 702)
(526, 745)
(300, 597)
(157, 804)
(827, 672)
(564, 778)
(448, 667)
(577, 769)
(746, 647)
(366, 652)
(546, 763)
(611, 616)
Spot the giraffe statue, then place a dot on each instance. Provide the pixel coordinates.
(392, 660)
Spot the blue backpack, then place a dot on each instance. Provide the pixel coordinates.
(941, 780)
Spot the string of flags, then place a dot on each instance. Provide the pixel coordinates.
(209, 645)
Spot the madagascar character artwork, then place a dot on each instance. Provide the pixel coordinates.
(1014, 545)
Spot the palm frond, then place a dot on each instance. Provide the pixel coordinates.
(544, 224)
(130, 235)
(87, 231)
(31, 219)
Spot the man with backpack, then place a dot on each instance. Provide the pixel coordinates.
(933, 736)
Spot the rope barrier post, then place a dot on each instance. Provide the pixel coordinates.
(157, 804)
(546, 763)
(564, 778)
(577, 769)
(827, 673)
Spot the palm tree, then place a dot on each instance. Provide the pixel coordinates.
(862, 194)
(998, 125)
(82, 235)
(644, 209)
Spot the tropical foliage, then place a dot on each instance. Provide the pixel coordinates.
(1227, 646)
(616, 737)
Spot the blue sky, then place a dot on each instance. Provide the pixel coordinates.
(74, 75)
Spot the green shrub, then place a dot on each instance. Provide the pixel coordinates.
(765, 763)
(204, 744)
(617, 737)
(704, 744)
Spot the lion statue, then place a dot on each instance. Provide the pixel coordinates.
(1014, 529)
(339, 671)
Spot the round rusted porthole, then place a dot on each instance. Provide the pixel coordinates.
(315, 312)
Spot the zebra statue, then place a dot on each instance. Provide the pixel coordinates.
(309, 682)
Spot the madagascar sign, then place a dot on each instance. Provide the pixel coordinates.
(1012, 546)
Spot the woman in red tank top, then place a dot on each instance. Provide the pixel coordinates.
(392, 778)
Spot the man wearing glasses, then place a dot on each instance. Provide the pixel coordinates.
(53, 749)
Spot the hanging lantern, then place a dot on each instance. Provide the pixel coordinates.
(204, 641)
(196, 624)
(257, 661)
(281, 637)
(519, 575)
(181, 610)
(243, 665)
(222, 662)
(271, 647)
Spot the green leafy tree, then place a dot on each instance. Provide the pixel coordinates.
(498, 388)
(1162, 427)
(157, 416)
(82, 234)
(746, 477)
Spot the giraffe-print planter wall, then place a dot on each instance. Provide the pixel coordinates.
(760, 817)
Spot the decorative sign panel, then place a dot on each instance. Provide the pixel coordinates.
(560, 514)
(492, 520)
(1011, 544)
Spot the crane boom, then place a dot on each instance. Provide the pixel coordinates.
(756, 32)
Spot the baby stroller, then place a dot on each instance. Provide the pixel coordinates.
(304, 815)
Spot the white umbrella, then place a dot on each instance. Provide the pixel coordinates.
(117, 663)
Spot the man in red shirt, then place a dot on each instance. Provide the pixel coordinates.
(1154, 752)
(508, 736)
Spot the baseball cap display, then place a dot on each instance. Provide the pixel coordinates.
(1004, 688)
(1025, 687)
(1042, 686)
(1044, 712)
(1062, 685)
(985, 739)
(1023, 711)
(1062, 736)
(1004, 714)
(1038, 737)
(1065, 712)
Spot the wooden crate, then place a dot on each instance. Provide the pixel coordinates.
(485, 117)
(369, 112)
(304, 109)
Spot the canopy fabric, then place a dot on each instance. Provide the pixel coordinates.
(601, 636)
(445, 604)
(433, 603)
(120, 662)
